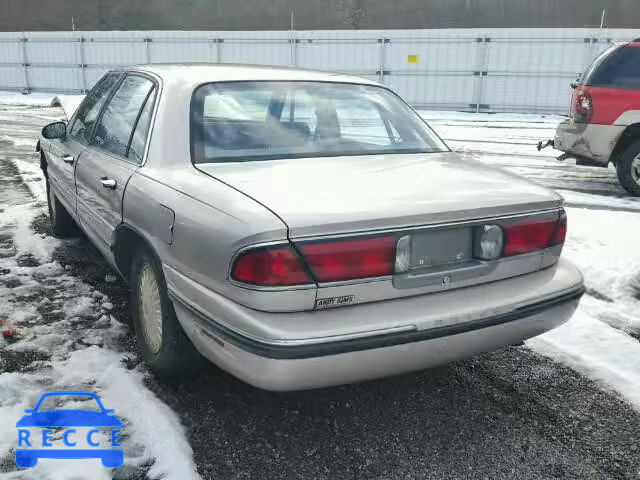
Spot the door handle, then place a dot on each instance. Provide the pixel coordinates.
(67, 159)
(108, 183)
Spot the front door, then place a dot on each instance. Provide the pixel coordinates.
(115, 152)
(65, 152)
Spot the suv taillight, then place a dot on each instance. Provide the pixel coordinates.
(582, 108)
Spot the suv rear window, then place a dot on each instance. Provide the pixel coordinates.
(618, 67)
(247, 121)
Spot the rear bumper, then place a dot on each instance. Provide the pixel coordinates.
(589, 141)
(419, 338)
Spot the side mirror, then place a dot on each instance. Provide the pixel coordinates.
(55, 130)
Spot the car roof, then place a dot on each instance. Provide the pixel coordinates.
(199, 73)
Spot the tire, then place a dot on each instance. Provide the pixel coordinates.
(165, 347)
(62, 225)
(628, 168)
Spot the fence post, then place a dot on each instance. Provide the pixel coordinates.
(294, 51)
(481, 73)
(83, 65)
(383, 54)
(219, 43)
(147, 45)
(591, 57)
(25, 65)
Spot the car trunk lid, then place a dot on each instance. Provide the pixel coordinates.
(344, 195)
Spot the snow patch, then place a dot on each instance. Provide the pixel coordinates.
(604, 245)
(595, 349)
(30, 99)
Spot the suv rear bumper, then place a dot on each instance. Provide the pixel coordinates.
(590, 141)
(437, 328)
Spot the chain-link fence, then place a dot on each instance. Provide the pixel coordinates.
(513, 70)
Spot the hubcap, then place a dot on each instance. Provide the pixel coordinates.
(150, 308)
(635, 169)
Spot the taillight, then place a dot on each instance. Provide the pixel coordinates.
(532, 235)
(332, 261)
(582, 107)
(352, 259)
(270, 267)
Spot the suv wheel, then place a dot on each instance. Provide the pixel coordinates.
(628, 168)
(164, 345)
(62, 225)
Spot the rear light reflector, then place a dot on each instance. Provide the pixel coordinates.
(270, 267)
(335, 261)
(532, 235)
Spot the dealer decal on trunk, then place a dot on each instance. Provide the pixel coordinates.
(335, 301)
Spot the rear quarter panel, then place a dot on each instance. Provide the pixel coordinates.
(212, 222)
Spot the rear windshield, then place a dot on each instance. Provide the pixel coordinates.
(618, 67)
(248, 121)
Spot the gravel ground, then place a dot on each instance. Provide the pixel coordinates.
(508, 414)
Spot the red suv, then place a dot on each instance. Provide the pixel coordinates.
(604, 122)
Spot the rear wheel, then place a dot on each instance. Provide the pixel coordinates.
(164, 345)
(628, 168)
(62, 224)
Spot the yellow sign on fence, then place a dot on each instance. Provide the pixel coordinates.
(413, 59)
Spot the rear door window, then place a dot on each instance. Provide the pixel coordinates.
(118, 121)
(620, 69)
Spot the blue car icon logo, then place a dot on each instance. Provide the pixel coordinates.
(63, 419)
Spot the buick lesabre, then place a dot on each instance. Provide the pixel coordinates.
(301, 229)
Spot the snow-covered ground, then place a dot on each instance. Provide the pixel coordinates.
(70, 337)
(32, 99)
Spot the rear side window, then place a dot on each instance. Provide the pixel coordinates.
(140, 134)
(620, 69)
(120, 116)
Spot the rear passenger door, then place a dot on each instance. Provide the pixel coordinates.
(116, 150)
